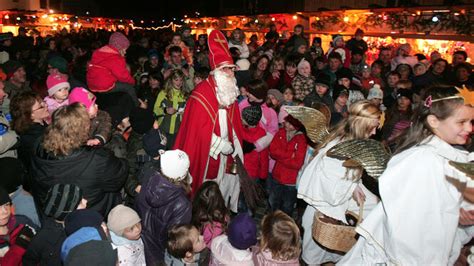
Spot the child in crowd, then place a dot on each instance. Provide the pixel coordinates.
(344, 78)
(200, 75)
(419, 69)
(275, 99)
(303, 83)
(186, 53)
(316, 47)
(376, 96)
(279, 243)
(15, 232)
(367, 80)
(82, 226)
(163, 202)
(414, 176)
(125, 230)
(339, 95)
(58, 92)
(235, 247)
(107, 70)
(320, 93)
(143, 147)
(288, 95)
(149, 91)
(338, 46)
(210, 214)
(288, 149)
(256, 163)
(45, 247)
(398, 117)
(283, 78)
(101, 123)
(170, 104)
(328, 187)
(185, 245)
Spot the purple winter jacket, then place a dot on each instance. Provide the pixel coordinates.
(160, 205)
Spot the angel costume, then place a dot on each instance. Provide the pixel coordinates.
(326, 185)
(416, 221)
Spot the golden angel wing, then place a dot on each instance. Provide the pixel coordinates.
(368, 153)
(467, 168)
(313, 120)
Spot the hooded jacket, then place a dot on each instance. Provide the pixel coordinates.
(96, 171)
(160, 204)
(106, 67)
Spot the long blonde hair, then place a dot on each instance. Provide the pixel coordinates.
(363, 117)
(169, 84)
(280, 236)
(69, 130)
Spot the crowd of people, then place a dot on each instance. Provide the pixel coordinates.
(129, 148)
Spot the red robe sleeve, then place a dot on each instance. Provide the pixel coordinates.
(195, 132)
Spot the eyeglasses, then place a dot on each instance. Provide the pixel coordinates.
(43, 105)
(229, 68)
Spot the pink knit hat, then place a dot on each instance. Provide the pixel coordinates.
(81, 95)
(119, 41)
(55, 82)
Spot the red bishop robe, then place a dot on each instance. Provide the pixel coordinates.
(200, 120)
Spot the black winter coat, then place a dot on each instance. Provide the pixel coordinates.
(160, 205)
(45, 247)
(96, 171)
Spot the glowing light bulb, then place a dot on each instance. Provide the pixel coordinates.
(346, 19)
(295, 17)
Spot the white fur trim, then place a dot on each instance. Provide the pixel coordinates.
(57, 87)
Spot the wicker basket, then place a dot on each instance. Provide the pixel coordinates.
(334, 236)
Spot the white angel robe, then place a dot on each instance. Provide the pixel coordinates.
(326, 185)
(416, 221)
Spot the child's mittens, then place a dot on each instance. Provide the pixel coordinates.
(24, 236)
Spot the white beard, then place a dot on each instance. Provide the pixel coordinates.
(227, 90)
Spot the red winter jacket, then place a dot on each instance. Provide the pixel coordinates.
(106, 67)
(256, 163)
(288, 155)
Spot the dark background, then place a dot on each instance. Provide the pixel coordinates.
(157, 9)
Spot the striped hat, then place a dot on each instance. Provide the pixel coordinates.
(61, 200)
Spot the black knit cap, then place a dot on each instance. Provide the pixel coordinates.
(323, 79)
(61, 200)
(4, 197)
(405, 93)
(141, 120)
(338, 90)
(252, 114)
(92, 253)
(82, 218)
(344, 73)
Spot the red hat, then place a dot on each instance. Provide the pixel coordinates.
(55, 82)
(219, 54)
(119, 41)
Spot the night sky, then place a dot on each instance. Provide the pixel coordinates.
(157, 9)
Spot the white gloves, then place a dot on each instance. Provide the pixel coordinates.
(219, 145)
(226, 147)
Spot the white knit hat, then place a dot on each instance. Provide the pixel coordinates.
(375, 93)
(120, 218)
(174, 164)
